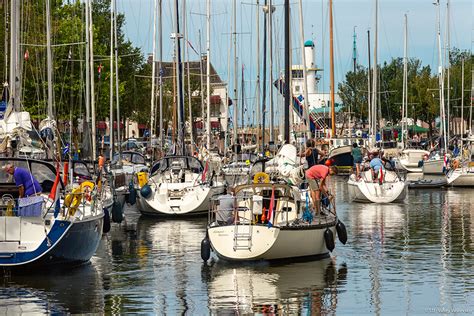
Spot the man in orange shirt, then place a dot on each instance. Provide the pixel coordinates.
(316, 176)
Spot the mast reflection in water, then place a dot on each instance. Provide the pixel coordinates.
(412, 258)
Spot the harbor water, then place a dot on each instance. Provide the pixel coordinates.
(411, 258)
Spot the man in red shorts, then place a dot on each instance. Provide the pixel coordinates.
(316, 176)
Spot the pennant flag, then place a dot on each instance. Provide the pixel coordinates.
(271, 207)
(204, 173)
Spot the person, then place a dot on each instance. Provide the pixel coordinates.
(225, 209)
(101, 161)
(377, 165)
(316, 176)
(26, 182)
(310, 153)
(357, 157)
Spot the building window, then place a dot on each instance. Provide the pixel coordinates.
(297, 88)
(297, 74)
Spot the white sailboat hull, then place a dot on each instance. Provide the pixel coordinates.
(410, 159)
(178, 199)
(433, 166)
(364, 190)
(269, 243)
(461, 178)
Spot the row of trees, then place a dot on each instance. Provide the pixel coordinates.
(423, 94)
(68, 27)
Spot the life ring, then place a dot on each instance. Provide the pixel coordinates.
(73, 199)
(261, 177)
(86, 188)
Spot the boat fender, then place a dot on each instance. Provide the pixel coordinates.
(205, 249)
(145, 191)
(117, 215)
(73, 199)
(329, 239)
(341, 232)
(132, 196)
(261, 177)
(106, 224)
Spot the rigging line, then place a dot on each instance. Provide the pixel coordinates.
(52, 45)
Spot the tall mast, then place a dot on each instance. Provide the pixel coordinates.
(375, 76)
(270, 90)
(448, 66)
(405, 84)
(190, 105)
(257, 91)
(49, 58)
(160, 66)
(369, 92)
(153, 73)
(441, 82)
(208, 73)
(117, 80)
(179, 82)
(201, 72)
(15, 73)
(305, 81)
(287, 104)
(331, 55)
(462, 99)
(264, 81)
(111, 81)
(88, 69)
(92, 80)
(234, 34)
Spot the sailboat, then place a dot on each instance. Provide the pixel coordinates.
(62, 224)
(410, 158)
(389, 187)
(268, 219)
(179, 184)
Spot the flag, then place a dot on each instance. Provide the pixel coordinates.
(99, 70)
(27, 55)
(271, 207)
(204, 173)
(445, 163)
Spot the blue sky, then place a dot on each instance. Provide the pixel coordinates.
(347, 14)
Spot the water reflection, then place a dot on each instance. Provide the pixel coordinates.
(53, 291)
(297, 288)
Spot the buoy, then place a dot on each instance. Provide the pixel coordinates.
(341, 232)
(145, 191)
(117, 215)
(106, 225)
(329, 239)
(132, 195)
(205, 249)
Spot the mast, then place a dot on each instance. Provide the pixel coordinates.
(257, 91)
(49, 61)
(375, 77)
(234, 34)
(331, 55)
(462, 101)
(369, 92)
(448, 66)
(153, 73)
(111, 81)
(190, 106)
(88, 69)
(270, 90)
(441, 82)
(264, 88)
(287, 104)
(354, 65)
(305, 81)
(15, 73)
(405, 84)
(208, 73)
(201, 72)
(179, 81)
(92, 80)
(117, 82)
(160, 61)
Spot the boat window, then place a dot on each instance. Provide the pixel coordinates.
(42, 172)
(138, 159)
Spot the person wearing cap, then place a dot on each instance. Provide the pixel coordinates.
(26, 182)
